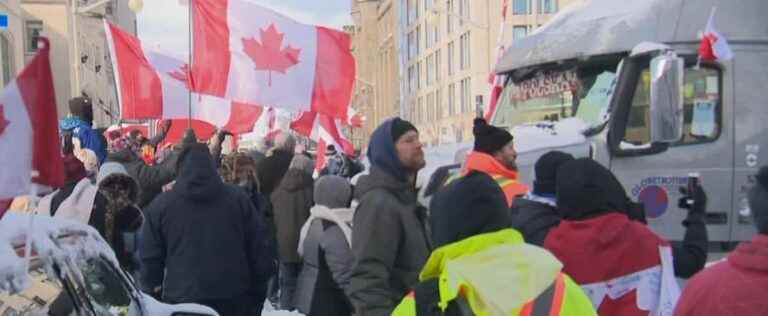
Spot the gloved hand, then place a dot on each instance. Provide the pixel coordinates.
(695, 201)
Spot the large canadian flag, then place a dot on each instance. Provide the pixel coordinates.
(153, 85)
(325, 130)
(248, 53)
(29, 136)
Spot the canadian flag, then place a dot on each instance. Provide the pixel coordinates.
(248, 53)
(354, 119)
(153, 85)
(714, 46)
(325, 131)
(29, 136)
(497, 80)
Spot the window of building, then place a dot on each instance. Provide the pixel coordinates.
(7, 60)
(418, 40)
(418, 9)
(438, 65)
(521, 7)
(436, 33)
(411, 79)
(466, 96)
(519, 31)
(451, 99)
(420, 110)
(428, 36)
(411, 45)
(431, 107)
(449, 14)
(450, 58)
(439, 104)
(430, 70)
(463, 11)
(34, 29)
(547, 6)
(411, 11)
(418, 75)
(702, 109)
(464, 51)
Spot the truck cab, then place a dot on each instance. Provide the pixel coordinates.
(587, 81)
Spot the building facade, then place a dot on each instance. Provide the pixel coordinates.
(79, 54)
(448, 57)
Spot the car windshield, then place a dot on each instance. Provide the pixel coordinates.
(559, 94)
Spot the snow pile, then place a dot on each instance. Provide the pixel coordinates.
(44, 235)
(270, 311)
(549, 135)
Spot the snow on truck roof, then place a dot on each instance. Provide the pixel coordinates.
(601, 27)
(48, 246)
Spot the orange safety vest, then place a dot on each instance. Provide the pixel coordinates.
(504, 177)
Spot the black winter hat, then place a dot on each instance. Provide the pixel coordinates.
(469, 206)
(81, 107)
(400, 127)
(758, 201)
(586, 189)
(330, 150)
(488, 138)
(546, 171)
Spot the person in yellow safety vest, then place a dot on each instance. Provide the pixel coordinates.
(494, 154)
(482, 267)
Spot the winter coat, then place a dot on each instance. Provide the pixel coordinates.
(735, 286)
(203, 240)
(323, 284)
(272, 169)
(122, 218)
(391, 240)
(534, 218)
(88, 137)
(506, 178)
(291, 202)
(151, 179)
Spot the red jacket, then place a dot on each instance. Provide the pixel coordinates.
(506, 178)
(610, 256)
(735, 286)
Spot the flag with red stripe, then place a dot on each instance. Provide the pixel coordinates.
(497, 80)
(325, 131)
(248, 53)
(29, 136)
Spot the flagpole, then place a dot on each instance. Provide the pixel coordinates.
(189, 63)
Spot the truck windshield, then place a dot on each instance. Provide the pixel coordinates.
(555, 95)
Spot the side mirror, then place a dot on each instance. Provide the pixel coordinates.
(666, 112)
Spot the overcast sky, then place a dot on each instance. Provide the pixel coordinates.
(163, 23)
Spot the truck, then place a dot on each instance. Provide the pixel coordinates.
(622, 82)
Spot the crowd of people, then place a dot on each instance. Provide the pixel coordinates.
(236, 231)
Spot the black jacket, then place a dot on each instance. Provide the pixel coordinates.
(151, 179)
(203, 240)
(533, 219)
(291, 202)
(272, 169)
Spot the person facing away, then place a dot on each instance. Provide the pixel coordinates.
(336, 164)
(494, 154)
(291, 201)
(737, 285)
(271, 169)
(624, 267)
(536, 213)
(391, 242)
(482, 267)
(203, 241)
(80, 125)
(326, 248)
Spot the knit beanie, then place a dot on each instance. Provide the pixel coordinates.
(469, 206)
(82, 108)
(758, 201)
(546, 171)
(400, 127)
(488, 138)
(333, 192)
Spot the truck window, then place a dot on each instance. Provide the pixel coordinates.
(107, 291)
(702, 109)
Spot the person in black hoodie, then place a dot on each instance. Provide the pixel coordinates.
(391, 239)
(536, 213)
(203, 242)
(272, 169)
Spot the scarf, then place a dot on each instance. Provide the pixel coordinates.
(340, 216)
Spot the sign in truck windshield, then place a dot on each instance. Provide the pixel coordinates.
(545, 84)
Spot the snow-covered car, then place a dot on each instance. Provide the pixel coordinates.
(69, 270)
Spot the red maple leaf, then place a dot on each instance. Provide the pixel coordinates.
(268, 54)
(181, 74)
(3, 122)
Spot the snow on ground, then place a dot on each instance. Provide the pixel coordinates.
(270, 311)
